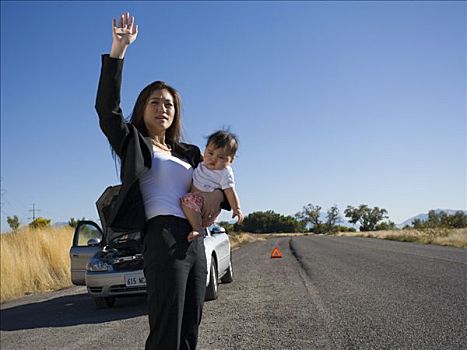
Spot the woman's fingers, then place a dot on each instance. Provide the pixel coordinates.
(126, 26)
(114, 26)
(126, 20)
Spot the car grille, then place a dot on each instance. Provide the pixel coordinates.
(120, 288)
(95, 289)
(128, 264)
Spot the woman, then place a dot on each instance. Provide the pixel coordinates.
(156, 171)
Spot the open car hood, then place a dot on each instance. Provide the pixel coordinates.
(103, 208)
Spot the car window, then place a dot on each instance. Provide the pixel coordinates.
(85, 233)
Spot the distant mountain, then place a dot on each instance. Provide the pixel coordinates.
(424, 217)
(60, 224)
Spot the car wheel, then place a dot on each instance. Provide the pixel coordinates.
(103, 302)
(211, 289)
(228, 277)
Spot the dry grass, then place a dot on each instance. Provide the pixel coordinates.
(456, 238)
(446, 237)
(34, 261)
(242, 238)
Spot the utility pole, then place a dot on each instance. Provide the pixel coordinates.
(34, 210)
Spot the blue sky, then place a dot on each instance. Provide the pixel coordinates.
(335, 103)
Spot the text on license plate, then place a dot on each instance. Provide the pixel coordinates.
(135, 280)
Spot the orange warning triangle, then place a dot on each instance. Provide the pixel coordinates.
(276, 253)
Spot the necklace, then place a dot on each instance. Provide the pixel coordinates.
(161, 146)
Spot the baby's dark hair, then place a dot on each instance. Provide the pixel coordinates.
(224, 139)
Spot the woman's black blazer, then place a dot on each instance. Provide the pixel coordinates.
(125, 212)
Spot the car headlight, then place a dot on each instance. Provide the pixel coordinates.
(98, 265)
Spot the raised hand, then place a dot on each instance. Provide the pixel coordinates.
(123, 34)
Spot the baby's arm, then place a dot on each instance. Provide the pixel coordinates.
(234, 202)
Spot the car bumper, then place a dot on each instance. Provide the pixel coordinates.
(104, 284)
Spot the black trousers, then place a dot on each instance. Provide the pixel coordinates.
(176, 273)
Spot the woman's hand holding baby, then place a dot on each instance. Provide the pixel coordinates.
(237, 213)
(212, 205)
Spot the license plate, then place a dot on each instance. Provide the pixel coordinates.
(135, 280)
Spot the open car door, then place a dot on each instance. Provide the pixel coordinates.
(86, 242)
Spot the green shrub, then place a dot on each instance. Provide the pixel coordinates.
(40, 223)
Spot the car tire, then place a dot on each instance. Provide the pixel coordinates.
(103, 302)
(228, 277)
(211, 289)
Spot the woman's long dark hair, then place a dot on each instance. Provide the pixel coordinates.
(173, 133)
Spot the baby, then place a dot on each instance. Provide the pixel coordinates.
(214, 172)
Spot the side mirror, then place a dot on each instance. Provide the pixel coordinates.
(93, 242)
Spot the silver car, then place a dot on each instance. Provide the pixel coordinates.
(111, 264)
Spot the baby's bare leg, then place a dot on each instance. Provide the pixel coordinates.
(191, 205)
(195, 221)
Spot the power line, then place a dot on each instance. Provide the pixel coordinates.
(34, 210)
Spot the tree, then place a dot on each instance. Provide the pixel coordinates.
(345, 229)
(459, 219)
(385, 226)
(227, 226)
(441, 219)
(13, 222)
(310, 216)
(417, 223)
(268, 222)
(74, 222)
(435, 219)
(332, 218)
(368, 218)
(40, 223)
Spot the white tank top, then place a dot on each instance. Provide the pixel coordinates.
(164, 184)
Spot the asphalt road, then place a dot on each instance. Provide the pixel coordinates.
(324, 293)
